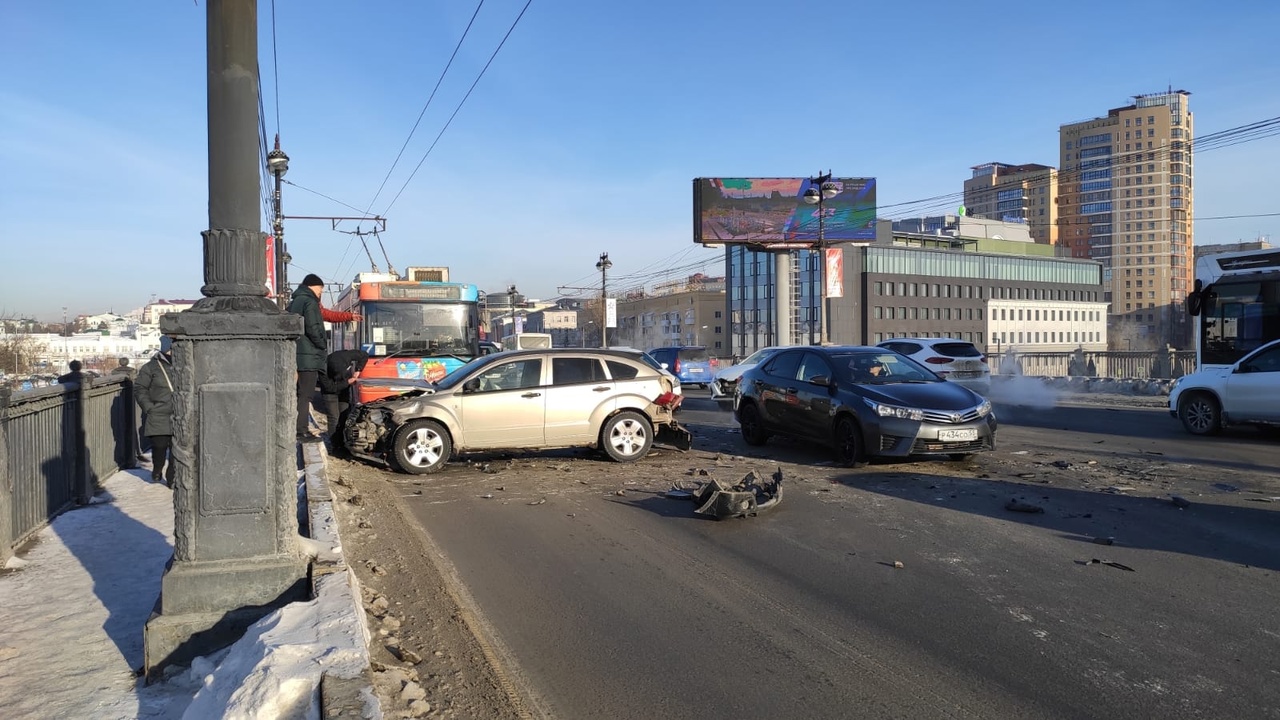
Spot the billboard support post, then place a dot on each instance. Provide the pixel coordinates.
(782, 284)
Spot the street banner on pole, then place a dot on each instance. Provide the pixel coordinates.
(835, 272)
(271, 266)
(611, 312)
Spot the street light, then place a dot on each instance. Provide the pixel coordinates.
(603, 265)
(582, 334)
(278, 165)
(820, 190)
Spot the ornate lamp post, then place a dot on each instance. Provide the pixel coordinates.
(278, 165)
(820, 190)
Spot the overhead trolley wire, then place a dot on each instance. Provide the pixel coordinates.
(458, 108)
(417, 122)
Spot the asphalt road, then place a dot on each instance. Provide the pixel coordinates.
(626, 605)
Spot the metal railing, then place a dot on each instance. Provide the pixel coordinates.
(1117, 365)
(56, 443)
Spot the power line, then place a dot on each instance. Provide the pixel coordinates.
(457, 109)
(326, 197)
(414, 129)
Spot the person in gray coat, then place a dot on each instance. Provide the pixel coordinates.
(153, 390)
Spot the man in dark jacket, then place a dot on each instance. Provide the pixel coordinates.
(312, 347)
(337, 385)
(153, 390)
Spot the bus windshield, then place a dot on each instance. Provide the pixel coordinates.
(420, 329)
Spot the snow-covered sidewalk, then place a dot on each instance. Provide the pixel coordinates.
(73, 611)
(73, 615)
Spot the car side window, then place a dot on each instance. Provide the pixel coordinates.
(812, 366)
(1268, 361)
(784, 365)
(574, 370)
(896, 347)
(514, 375)
(622, 371)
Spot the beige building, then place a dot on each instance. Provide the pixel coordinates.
(1015, 194)
(685, 312)
(1125, 199)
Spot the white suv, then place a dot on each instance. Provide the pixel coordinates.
(959, 361)
(1245, 393)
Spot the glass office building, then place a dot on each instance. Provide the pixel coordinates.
(900, 289)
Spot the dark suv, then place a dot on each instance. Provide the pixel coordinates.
(690, 363)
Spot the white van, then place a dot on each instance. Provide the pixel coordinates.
(527, 341)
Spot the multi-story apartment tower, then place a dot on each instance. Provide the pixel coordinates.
(1015, 193)
(1125, 198)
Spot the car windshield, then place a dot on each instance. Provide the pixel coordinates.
(879, 368)
(456, 376)
(758, 356)
(647, 359)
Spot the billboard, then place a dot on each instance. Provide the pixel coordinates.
(771, 212)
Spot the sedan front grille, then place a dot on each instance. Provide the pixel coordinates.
(949, 417)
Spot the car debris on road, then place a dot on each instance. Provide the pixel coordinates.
(718, 499)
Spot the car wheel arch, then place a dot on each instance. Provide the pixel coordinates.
(1190, 394)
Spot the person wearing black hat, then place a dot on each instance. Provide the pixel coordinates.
(312, 349)
(153, 391)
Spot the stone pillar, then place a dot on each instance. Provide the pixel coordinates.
(236, 555)
(6, 482)
(782, 297)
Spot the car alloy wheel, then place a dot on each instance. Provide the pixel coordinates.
(753, 432)
(848, 441)
(1200, 414)
(627, 436)
(421, 447)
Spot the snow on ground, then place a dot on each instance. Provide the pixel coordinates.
(74, 613)
(71, 641)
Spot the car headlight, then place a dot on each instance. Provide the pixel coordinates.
(894, 411)
(1176, 382)
(984, 409)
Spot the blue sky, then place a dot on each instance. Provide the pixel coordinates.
(585, 133)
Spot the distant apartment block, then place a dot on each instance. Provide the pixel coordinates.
(1126, 199)
(1015, 194)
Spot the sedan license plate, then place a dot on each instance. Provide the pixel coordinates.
(958, 435)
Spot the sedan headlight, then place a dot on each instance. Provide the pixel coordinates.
(984, 409)
(895, 411)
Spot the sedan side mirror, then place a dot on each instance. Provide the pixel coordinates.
(1245, 368)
